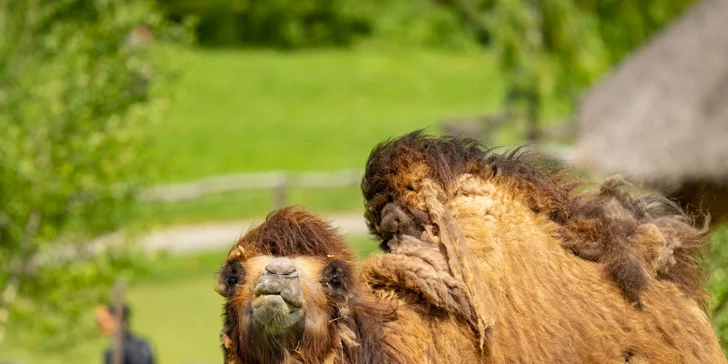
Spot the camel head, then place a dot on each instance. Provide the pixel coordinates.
(292, 297)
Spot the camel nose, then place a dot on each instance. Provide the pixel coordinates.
(279, 302)
(282, 267)
(281, 278)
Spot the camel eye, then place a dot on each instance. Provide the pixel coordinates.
(335, 278)
(231, 275)
(335, 281)
(231, 281)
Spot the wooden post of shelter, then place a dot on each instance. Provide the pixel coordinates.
(118, 357)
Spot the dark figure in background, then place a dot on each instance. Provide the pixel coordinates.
(136, 350)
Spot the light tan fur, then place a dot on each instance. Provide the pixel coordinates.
(539, 302)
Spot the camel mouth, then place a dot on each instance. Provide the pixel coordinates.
(288, 297)
(275, 314)
(275, 288)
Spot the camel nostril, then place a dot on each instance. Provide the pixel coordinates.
(281, 266)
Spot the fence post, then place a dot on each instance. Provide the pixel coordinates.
(279, 192)
(118, 312)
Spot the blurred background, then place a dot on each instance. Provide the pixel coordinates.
(139, 139)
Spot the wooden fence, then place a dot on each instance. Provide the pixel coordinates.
(276, 181)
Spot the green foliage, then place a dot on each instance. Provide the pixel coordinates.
(418, 23)
(55, 300)
(279, 23)
(76, 107)
(314, 23)
(624, 25)
(162, 300)
(717, 286)
(561, 46)
(537, 42)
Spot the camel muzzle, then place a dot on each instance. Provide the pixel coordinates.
(279, 303)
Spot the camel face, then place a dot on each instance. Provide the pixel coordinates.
(290, 293)
(274, 294)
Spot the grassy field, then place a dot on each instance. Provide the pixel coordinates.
(175, 307)
(247, 204)
(317, 110)
(247, 111)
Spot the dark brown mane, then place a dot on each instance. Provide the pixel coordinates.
(292, 231)
(606, 225)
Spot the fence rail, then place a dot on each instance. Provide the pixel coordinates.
(280, 181)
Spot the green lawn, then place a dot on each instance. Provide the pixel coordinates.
(244, 111)
(175, 306)
(247, 111)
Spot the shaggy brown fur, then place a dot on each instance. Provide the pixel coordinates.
(341, 324)
(596, 225)
(361, 325)
(512, 250)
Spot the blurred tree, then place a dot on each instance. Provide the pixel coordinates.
(313, 23)
(278, 23)
(419, 23)
(556, 47)
(74, 122)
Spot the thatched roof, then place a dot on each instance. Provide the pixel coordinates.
(662, 114)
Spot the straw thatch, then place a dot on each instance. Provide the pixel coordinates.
(661, 117)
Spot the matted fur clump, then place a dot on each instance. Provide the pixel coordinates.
(629, 236)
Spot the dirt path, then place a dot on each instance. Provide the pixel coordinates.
(210, 236)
